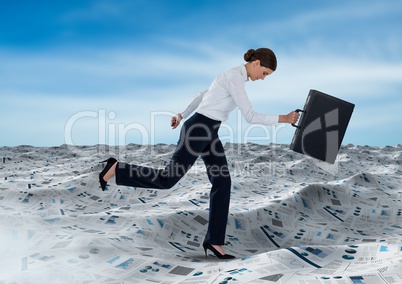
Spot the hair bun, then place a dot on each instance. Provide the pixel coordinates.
(248, 55)
(266, 57)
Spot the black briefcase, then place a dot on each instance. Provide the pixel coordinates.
(322, 126)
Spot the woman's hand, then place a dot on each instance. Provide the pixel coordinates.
(176, 120)
(289, 118)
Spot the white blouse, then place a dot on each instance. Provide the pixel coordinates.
(226, 93)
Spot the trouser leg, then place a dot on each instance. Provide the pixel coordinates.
(219, 176)
(147, 177)
(194, 137)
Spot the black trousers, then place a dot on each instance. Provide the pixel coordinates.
(198, 138)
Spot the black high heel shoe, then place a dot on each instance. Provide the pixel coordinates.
(216, 253)
(110, 163)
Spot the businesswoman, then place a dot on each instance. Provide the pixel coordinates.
(199, 138)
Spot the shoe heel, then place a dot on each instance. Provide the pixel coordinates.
(110, 163)
(216, 253)
(205, 250)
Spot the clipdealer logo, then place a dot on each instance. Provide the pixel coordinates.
(329, 123)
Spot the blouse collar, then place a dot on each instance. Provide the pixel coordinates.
(243, 72)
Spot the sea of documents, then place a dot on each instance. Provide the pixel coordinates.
(292, 219)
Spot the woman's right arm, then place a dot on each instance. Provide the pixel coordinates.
(194, 104)
(190, 108)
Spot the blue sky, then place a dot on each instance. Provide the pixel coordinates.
(89, 72)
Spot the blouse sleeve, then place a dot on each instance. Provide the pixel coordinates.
(237, 90)
(193, 105)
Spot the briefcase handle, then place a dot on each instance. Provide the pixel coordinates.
(297, 110)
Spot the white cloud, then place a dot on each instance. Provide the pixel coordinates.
(41, 90)
(47, 112)
(96, 10)
(347, 77)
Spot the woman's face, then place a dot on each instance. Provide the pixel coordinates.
(258, 72)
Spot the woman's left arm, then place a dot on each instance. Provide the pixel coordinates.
(238, 92)
(292, 117)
